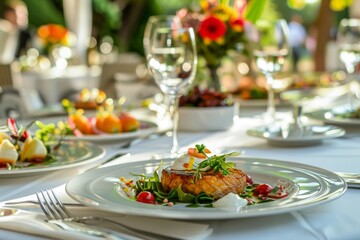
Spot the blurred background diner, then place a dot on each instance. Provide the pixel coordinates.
(53, 49)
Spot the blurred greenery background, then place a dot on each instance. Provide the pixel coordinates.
(124, 20)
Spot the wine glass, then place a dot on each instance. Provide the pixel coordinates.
(172, 60)
(270, 48)
(155, 22)
(348, 41)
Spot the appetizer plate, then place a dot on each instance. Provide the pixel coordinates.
(292, 136)
(307, 186)
(70, 154)
(146, 128)
(330, 116)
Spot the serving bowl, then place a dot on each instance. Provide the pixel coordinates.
(197, 119)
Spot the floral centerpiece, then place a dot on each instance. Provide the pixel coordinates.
(219, 28)
(52, 35)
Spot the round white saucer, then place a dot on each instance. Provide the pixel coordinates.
(294, 136)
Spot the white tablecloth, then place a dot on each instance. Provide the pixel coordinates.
(338, 219)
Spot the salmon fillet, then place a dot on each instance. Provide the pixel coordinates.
(214, 184)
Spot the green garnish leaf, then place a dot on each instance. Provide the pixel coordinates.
(203, 198)
(216, 163)
(184, 197)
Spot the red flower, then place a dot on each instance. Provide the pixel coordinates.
(237, 24)
(212, 28)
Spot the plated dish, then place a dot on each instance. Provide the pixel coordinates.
(69, 154)
(336, 116)
(292, 136)
(146, 128)
(307, 186)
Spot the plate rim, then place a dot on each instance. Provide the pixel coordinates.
(325, 197)
(33, 171)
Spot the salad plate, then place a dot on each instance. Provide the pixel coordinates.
(334, 116)
(70, 154)
(306, 185)
(294, 136)
(146, 128)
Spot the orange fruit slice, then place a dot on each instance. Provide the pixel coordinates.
(129, 123)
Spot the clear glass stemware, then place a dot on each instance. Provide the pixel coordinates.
(172, 61)
(270, 48)
(155, 22)
(348, 41)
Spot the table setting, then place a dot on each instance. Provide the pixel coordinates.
(334, 155)
(203, 165)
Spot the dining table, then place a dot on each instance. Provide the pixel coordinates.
(328, 220)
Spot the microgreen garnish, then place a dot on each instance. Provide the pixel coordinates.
(216, 163)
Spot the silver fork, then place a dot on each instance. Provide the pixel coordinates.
(56, 213)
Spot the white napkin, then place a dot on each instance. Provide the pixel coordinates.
(168, 228)
(33, 224)
(164, 227)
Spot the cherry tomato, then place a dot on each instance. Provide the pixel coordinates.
(145, 197)
(262, 190)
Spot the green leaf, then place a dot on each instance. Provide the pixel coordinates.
(185, 197)
(254, 10)
(200, 148)
(203, 198)
(173, 194)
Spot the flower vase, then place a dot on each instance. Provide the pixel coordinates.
(214, 77)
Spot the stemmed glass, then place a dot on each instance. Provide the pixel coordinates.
(270, 48)
(348, 41)
(155, 22)
(172, 60)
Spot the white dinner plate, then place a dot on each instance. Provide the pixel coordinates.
(70, 154)
(330, 116)
(146, 128)
(290, 136)
(307, 186)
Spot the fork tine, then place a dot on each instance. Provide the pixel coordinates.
(42, 206)
(46, 206)
(51, 205)
(59, 205)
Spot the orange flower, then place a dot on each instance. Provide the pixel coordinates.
(212, 28)
(52, 33)
(237, 24)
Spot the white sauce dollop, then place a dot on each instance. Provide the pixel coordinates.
(230, 201)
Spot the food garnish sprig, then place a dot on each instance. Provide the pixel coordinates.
(49, 133)
(215, 163)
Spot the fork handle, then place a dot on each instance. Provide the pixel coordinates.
(93, 231)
